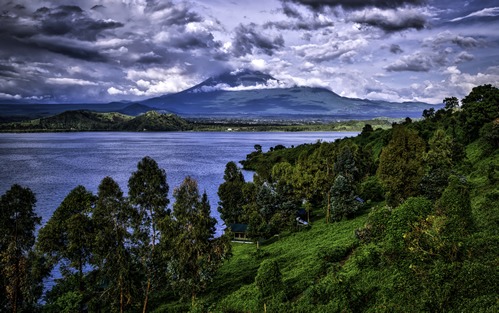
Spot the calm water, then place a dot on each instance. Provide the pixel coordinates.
(52, 164)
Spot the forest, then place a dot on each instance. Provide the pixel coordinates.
(403, 219)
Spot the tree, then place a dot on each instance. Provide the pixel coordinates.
(450, 103)
(148, 192)
(269, 281)
(67, 237)
(195, 253)
(429, 113)
(17, 237)
(401, 165)
(366, 130)
(438, 165)
(479, 108)
(456, 206)
(113, 219)
(230, 193)
(320, 165)
(343, 202)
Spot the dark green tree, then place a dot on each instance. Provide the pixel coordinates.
(320, 166)
(456, 206)
(344, 189)
(401, 165)
(230, 193)
(343, 202)
(366, 130)
(429, 113)
(481, 106)
(269, 282)
(451, 103)
(148, 193)
(438, 165)
(113, 259)
(195, 253)
(68, 236)
(20, 287)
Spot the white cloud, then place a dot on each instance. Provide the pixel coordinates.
(330, 50)
(70, 81)
(259, 64)
(157, 81)
(9, 96)
(114, 91)
(482, 13)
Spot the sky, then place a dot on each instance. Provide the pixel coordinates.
(112, 50)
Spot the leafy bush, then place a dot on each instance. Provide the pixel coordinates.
(269, 279)
(371, 189)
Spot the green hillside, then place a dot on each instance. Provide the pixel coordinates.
(424, 240)
(154, 121)
(81, 120)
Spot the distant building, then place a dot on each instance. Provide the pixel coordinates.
(240, 231)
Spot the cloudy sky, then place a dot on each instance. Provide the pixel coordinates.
(109, 50)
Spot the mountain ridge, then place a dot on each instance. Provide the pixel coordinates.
(253, 93)
(239, 94)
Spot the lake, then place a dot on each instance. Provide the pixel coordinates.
(52, 164)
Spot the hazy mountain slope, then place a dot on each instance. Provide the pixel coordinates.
(242, 94)
(238, 94)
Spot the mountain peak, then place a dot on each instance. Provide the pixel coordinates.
(243, 79)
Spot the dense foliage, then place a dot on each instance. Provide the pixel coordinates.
(113, 253)
(401, 220)
(428, 190)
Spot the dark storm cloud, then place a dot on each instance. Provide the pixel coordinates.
(177, 15)
(71, 51)
(73, 22)
(358, 4)
(412, 63)
(290, 11)
(298, 21)
(7, 70)
(249, 40)
(299, 25)
(60, 30)
(150, 58)
(194, 40)
(395, 49)
(388, 15)
(447, 37)
(391, 21)
(464, 57)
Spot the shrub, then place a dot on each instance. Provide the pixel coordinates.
(371, 189)
(269, 279)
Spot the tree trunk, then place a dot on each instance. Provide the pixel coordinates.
(149, 274)
(144, 309)
(328, 214)
(121, 296)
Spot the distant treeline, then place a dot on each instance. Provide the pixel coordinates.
(83, 120)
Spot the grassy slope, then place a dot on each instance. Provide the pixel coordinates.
(300, 256)
(305, 260)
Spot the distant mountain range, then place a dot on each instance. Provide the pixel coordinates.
(241, 94)
(255, 94)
